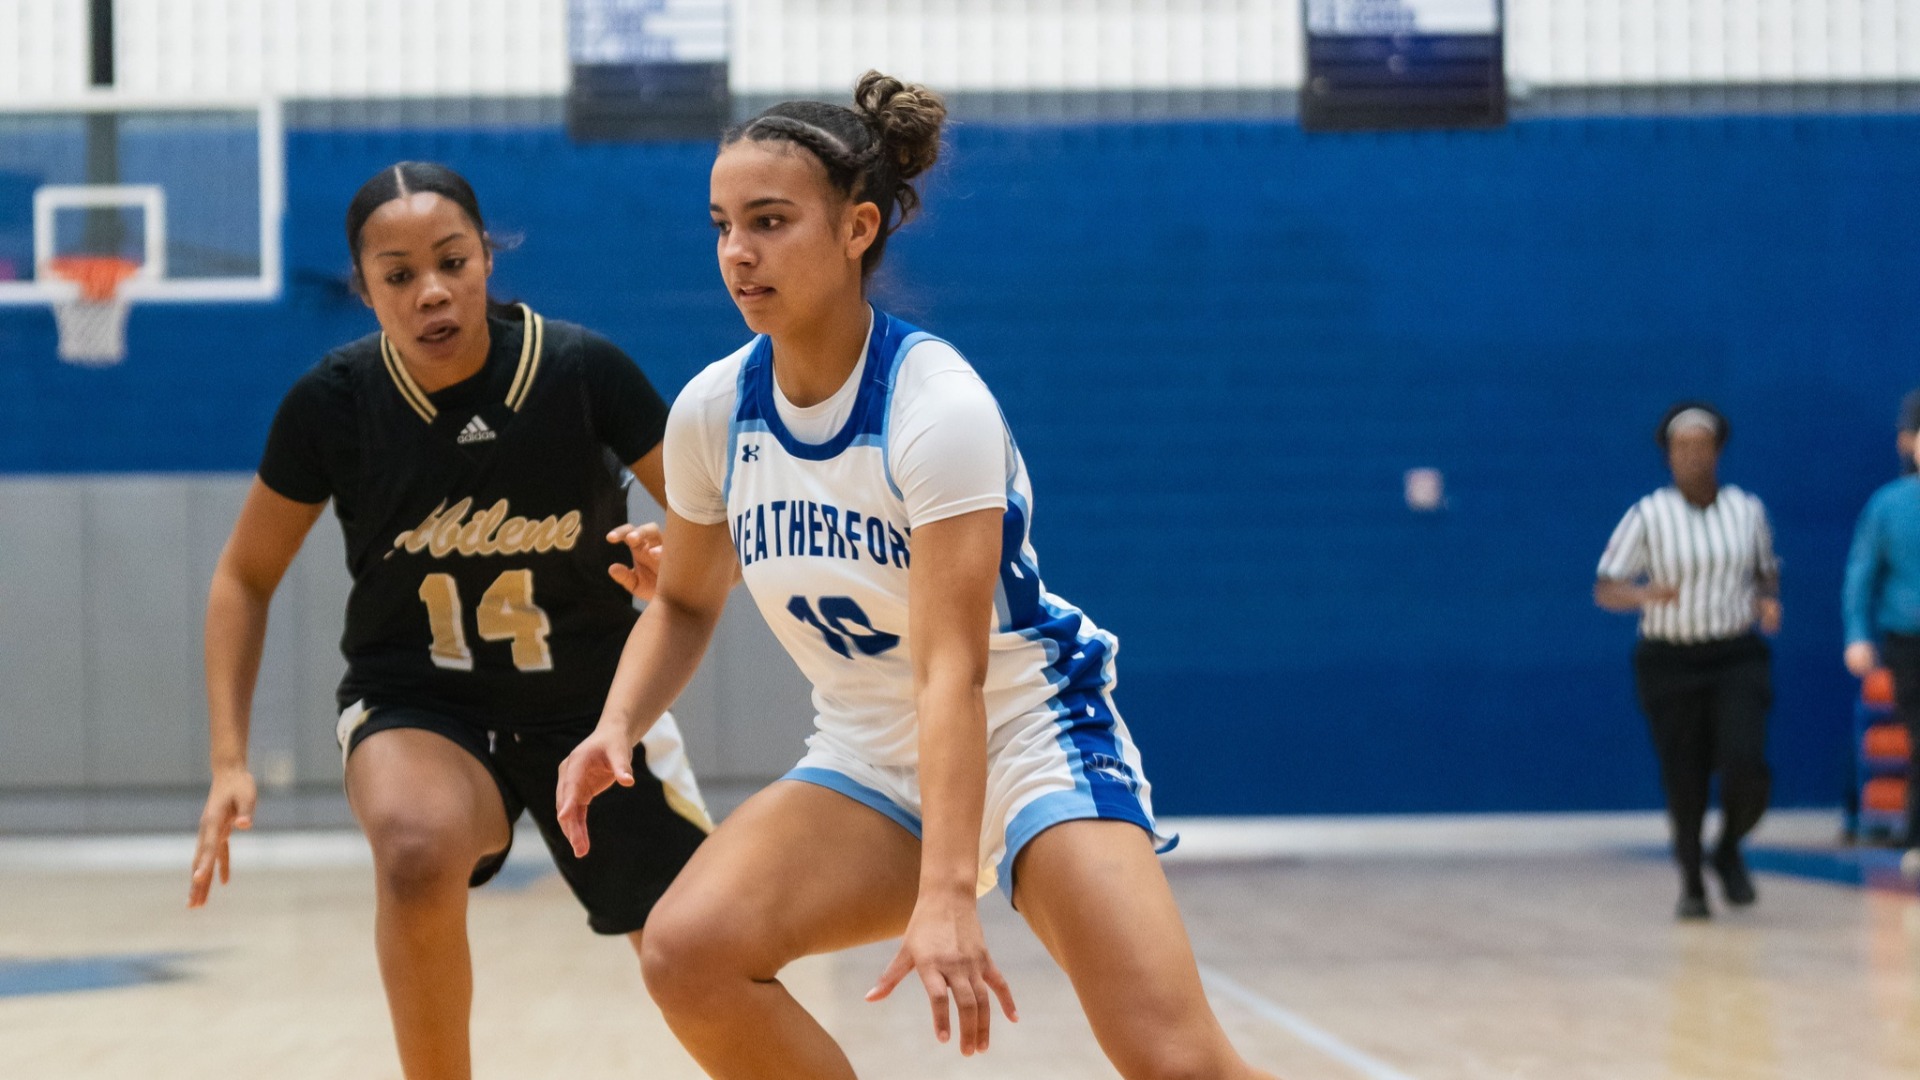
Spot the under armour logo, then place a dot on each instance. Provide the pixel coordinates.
(749, 453)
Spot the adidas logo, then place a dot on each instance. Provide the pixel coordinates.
(475, 431)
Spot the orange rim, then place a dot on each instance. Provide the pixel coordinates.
(99, 276)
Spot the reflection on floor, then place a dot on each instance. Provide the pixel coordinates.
(1378, 949)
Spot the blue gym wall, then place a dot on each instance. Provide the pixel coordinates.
(1220, 344)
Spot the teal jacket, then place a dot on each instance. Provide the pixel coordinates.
(1882, 591)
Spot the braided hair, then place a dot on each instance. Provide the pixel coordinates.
(872, 151)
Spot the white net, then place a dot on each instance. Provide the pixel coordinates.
(92, 320)
(92, 332)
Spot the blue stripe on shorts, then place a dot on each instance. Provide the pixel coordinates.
(858, 792)
(1105, 787)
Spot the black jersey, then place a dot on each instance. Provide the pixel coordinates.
(476, 517)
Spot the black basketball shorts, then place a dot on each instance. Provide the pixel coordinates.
(642, 835)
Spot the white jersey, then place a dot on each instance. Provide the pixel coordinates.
(822, 521)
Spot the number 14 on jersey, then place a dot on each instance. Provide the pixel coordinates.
(506, 613)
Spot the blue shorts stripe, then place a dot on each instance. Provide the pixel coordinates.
(1105, 787)
(858, 792)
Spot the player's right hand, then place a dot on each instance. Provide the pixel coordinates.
(945, 945)
(230, 804)
(602, 760)
(1653, 593)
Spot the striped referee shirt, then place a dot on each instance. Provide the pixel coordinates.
(1715, 556)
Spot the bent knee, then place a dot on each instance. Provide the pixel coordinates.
(416, 861)
(687, 956)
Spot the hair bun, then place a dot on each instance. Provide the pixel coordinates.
(907, 117)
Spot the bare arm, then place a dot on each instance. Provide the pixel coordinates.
(1766, 605)
(265, 538)
(1766, 579)
(643, 541)
(950, 613)
(651, 474)
(1626, 596)
(1767, 611)
(697, 569)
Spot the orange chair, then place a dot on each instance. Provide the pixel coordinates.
(1884, 793)
(1886, 742)
(1877, 688)
(1879, 802)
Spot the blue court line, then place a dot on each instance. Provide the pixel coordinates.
(1368, 1066)
(1866, 868)
(65, 975)
(1872, 868)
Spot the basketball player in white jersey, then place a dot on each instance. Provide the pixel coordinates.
(860, 476)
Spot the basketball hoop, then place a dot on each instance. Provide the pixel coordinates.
(93, 322)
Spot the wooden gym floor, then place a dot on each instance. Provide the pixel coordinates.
(1416, 949)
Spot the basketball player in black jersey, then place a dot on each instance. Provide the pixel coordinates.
(476, 455)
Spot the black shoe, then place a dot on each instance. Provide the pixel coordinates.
(1693, 906)
(1735, 883)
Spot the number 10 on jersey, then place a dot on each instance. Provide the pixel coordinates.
(506, 613)
(842, 622)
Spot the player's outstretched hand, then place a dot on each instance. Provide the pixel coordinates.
(601, 761)
(945, 944)
(230, 803)
(644, 544)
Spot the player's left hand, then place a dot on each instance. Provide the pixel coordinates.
(644, 543)
(945, 944)
(1768, 609)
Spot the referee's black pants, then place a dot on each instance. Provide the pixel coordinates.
(1901, 654)
(1706, 706)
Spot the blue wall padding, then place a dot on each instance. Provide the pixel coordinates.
(1220, 346)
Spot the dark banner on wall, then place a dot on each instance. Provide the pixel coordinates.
(647, 69)
(1386, 64)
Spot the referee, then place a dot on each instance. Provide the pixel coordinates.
(1696, 561)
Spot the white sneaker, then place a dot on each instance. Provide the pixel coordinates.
(1910, 864)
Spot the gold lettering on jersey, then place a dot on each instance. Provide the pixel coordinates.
(449, 531)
